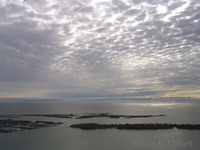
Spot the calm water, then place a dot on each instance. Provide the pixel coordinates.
(64, 138)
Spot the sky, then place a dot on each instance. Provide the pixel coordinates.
(99, 48)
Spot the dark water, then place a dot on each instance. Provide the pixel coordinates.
(64, 138)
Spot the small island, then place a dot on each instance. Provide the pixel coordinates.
(151, 126)
(10, 125)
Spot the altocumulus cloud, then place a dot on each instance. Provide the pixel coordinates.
(82, 48)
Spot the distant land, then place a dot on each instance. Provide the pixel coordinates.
(85, 116)
(117, 116)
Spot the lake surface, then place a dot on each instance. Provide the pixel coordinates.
(64, 138)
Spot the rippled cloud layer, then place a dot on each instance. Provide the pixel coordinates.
(82, 48)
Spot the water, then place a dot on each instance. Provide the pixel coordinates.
(64, 138)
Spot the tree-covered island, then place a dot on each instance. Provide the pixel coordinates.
(150, 126)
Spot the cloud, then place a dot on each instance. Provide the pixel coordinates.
(89, 47)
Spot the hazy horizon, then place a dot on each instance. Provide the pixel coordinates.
(125, 99)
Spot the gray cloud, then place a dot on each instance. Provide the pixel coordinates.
(98, 48)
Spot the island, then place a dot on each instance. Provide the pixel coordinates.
(150, 126)
(9, 125)
(93, 115)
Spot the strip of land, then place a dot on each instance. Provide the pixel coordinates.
(53, 115)
(94, 115)
(84, 116)
(10, 125)
(156, 126)
(107, 115)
